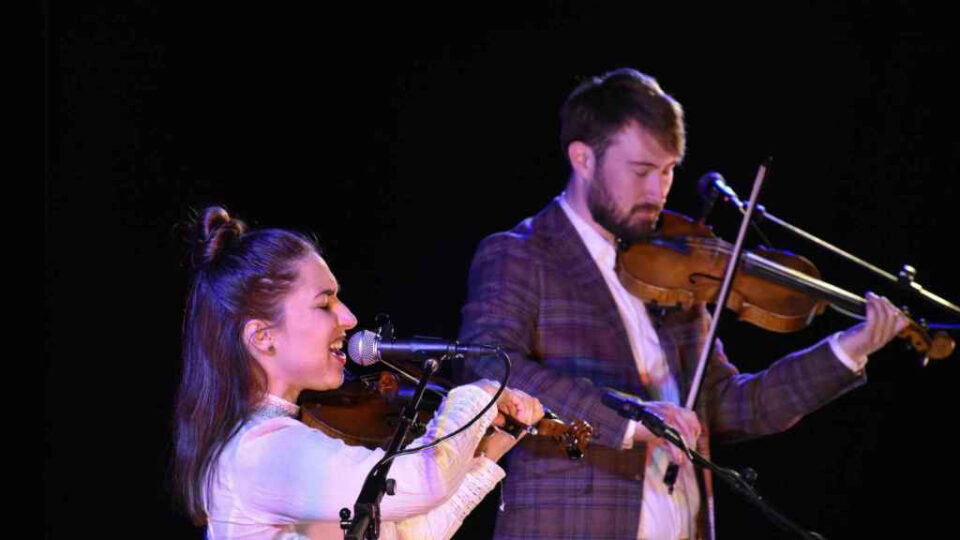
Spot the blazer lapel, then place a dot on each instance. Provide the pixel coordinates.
(584, 278)
(671, 351)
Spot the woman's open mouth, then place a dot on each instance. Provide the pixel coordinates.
(336, 351)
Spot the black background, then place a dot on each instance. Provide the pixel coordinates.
(402, 136)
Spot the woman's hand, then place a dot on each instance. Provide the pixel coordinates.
(520, 407)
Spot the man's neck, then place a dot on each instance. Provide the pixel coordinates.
(575, 196)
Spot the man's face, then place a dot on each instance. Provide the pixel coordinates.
(630, 183)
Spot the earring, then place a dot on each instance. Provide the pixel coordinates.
(271, 350)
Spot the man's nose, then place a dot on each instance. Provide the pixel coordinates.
(654, 189)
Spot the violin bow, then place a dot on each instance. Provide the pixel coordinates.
(725, 288)
(670, 477)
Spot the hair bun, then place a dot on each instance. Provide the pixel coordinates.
(217, 232)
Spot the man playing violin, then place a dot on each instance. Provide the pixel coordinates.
(547, 291)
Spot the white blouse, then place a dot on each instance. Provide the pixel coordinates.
(280, 479)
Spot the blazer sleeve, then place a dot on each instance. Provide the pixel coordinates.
(743, 405)
(502, 308)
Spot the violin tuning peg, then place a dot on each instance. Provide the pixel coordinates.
(924, 359)
(907, 274)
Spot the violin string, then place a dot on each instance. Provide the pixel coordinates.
(832, 292)
(850, 314)
(789, 276)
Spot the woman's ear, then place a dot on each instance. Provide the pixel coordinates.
(257, 336)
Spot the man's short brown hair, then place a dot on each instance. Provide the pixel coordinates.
(602, 106)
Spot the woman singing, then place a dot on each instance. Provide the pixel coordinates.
(264, 321)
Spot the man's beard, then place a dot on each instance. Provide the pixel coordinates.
(603, 208)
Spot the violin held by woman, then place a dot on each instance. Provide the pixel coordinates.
(263, 322)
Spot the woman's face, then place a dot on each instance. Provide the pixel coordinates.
(309, 341)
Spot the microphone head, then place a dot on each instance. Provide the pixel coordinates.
(707, 185)
(362, 347)
(618, 400)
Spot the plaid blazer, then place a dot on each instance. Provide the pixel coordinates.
(536, 291)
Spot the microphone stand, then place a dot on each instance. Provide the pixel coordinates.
(741, 483)
(365, 524)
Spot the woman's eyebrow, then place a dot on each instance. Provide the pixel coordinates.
(329, 292)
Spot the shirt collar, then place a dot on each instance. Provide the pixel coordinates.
(279, 405)
(602, 251)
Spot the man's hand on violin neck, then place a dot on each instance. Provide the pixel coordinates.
(683, 420)
(883, 323)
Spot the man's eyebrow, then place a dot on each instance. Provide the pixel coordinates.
(648, 164)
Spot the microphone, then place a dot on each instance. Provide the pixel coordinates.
(367, 348)
(712, 184)
(630, 407)
(708, 195)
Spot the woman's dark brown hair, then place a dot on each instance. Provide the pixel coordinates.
(238, 275)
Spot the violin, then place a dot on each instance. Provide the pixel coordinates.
(684, 262)
(365, 412)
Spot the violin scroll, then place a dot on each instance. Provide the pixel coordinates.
(936, 346)
(573, 438)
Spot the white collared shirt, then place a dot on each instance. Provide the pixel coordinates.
(663, 514)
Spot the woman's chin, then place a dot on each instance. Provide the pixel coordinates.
(332, 382)
(329, 381)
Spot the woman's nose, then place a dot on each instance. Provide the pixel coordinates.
(345, 317)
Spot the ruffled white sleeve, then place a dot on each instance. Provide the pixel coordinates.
(288, 473)
(444, 520)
